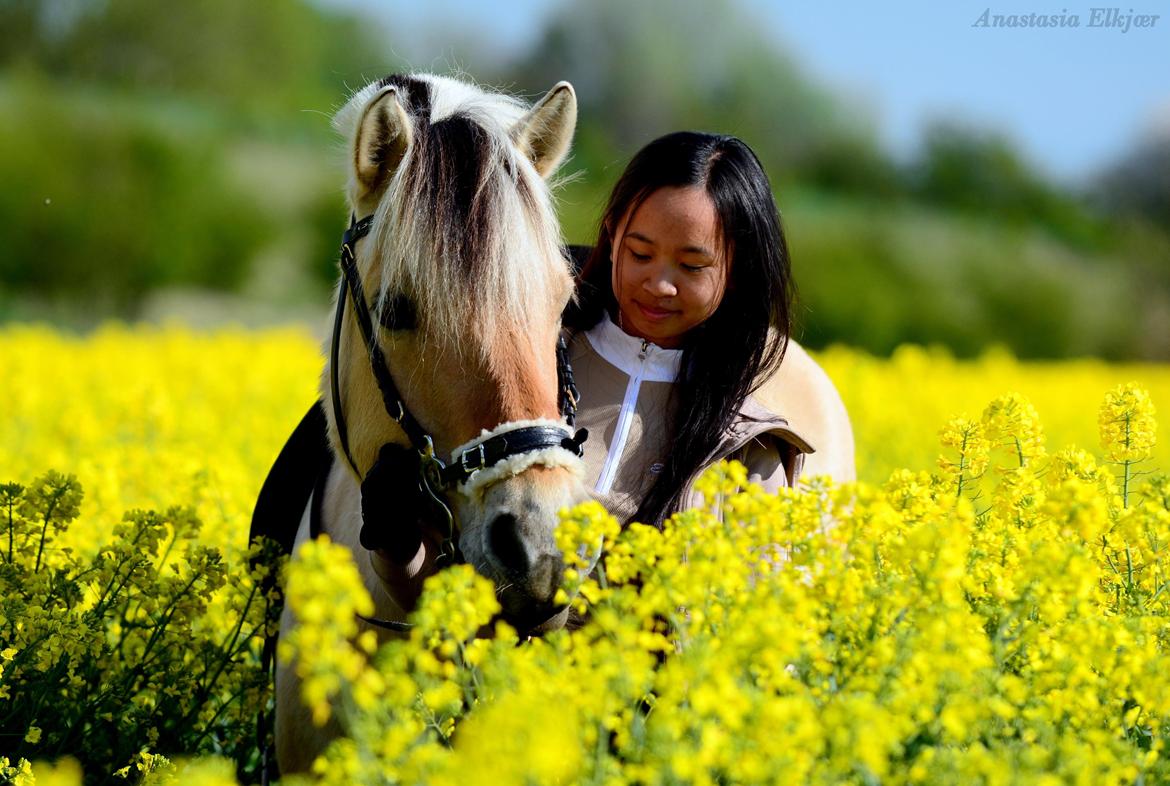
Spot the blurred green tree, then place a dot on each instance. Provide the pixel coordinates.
(102, 207)
(256, 56)
(1138, 184)
(181, 143)
(154, 138)
(635, 84)
(981, 172)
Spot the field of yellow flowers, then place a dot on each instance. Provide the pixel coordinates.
(989, 605)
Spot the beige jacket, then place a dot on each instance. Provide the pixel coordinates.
(625, 386)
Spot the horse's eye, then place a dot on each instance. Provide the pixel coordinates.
(398, 314)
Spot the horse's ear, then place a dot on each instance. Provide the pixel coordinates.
(544, 134)
(383, 136)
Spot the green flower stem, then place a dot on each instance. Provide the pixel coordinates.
(107, 596)
(962, 467)
(229, 650)
(24, 654)
(165, 620)
(1126, 477)
(1126, 467)
(11, 528)
(210, 725)
(49, 509)
(126, 683)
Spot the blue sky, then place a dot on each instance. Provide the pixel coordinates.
(1071, 98)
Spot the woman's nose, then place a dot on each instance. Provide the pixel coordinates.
(660, 285)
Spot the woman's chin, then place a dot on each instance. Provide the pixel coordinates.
(655, 331)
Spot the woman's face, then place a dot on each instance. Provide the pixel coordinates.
(669, 265)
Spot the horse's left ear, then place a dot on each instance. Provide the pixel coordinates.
(383, 135)
(544, 134)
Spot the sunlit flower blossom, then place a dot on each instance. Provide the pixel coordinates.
(1126, 422)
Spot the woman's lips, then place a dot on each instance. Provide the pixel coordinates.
(649, 312)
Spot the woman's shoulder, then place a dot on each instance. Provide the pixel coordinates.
(762, 424)
(802, 393)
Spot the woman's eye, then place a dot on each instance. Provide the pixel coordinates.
(640, 257)
(693, 268)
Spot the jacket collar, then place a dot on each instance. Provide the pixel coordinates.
(625, 352)
(754, 419)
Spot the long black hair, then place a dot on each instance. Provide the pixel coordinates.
(739, 346)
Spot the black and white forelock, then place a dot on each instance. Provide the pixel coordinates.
(464, 223)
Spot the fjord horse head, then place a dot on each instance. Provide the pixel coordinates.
(464, 263)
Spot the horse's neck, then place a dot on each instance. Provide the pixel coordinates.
(394, 587)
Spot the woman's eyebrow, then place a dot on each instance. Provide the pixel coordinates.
(685, 249)
(697, 250)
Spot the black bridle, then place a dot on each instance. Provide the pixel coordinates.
(417, 469)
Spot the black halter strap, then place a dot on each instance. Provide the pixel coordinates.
(391, 398)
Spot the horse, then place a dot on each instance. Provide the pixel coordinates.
(456, 354)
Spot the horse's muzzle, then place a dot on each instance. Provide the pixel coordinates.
(536, 621)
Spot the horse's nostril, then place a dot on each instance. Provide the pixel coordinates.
(545, 577)
(506, 543)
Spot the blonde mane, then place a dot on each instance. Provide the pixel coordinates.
(466, 229)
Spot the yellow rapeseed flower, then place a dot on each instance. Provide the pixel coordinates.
(1127, 425)
(998, 616)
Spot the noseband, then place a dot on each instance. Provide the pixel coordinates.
(413, 480)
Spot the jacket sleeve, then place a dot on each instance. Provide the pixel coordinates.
(771, 462)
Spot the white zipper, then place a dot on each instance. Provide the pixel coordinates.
(622, 431)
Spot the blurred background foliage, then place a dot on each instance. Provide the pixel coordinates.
(163, 159)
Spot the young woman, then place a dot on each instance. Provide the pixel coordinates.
(684, 307)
